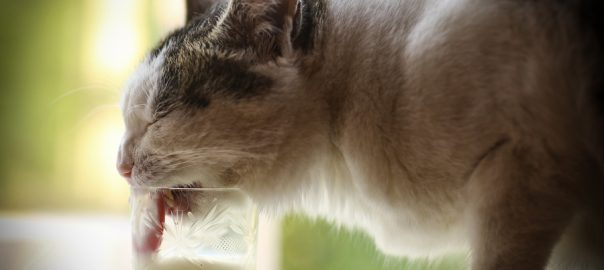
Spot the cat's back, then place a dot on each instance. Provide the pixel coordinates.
(434, 87)
(451, 79)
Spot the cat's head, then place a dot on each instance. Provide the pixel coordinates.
(216, 99)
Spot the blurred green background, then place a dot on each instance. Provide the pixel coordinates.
(62, 68)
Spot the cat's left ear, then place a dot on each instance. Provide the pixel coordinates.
(266, 25)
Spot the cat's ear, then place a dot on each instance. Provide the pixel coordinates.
(266, 25)
(199, 7)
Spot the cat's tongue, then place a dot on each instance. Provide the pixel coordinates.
(154, 229)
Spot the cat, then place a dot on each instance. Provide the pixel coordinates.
(432, 125)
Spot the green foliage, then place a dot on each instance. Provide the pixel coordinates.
(318, 245)
(40, 60)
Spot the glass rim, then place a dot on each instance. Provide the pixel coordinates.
(186, 188)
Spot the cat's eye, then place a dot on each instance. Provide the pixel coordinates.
(157, 115)
(150, 124)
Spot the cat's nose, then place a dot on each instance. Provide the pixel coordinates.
(125, 170)
(125, 163)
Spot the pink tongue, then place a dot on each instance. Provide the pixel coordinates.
(153, 234)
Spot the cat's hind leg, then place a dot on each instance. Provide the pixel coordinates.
(521, 199)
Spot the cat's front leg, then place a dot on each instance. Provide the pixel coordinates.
(521, 204)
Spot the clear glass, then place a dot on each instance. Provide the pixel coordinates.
(193, 228)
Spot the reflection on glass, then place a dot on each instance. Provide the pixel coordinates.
(193, 229)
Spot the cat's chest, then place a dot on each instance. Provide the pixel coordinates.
(412, 226)
(405, 231)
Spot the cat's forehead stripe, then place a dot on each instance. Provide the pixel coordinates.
(192, 81)
(197, 30)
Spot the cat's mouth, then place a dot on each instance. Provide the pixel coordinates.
(167, 202)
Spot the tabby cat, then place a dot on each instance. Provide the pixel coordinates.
(433, 125)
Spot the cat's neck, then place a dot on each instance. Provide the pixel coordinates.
(358, 46)
(361, 35)
(349, 57)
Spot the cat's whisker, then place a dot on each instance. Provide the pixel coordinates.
(224, 153)
(98, 109)
(95, 87)
(92, 112)
(187, 166)
(132, 109)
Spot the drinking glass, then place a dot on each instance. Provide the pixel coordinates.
(193, 228)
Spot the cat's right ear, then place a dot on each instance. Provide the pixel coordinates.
(196, 8)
